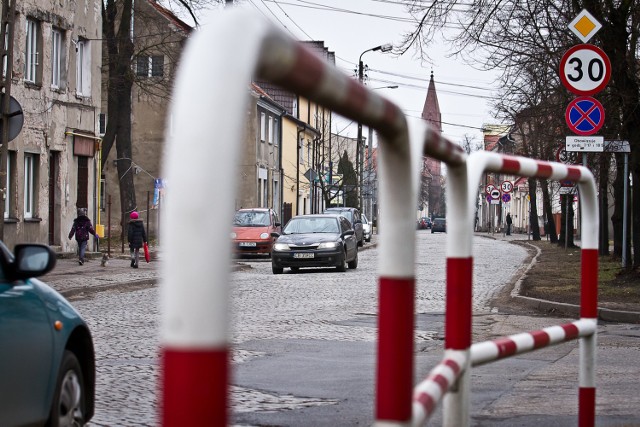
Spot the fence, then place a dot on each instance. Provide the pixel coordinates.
(210, 99)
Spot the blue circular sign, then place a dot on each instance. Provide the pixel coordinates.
(585, 115)
(506, 197)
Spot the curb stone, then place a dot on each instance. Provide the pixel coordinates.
(559, 308)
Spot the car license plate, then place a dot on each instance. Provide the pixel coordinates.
(247, 244)
(303, 255)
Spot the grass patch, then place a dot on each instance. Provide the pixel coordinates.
(556, 277)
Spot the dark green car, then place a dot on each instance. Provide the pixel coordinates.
(439, 225)
(47, 361)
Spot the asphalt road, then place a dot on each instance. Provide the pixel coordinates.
(304, 345)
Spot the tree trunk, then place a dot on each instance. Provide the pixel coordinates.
(548, 213)
(533, 210)
(618, 206)
(120, 81)
(603, 245)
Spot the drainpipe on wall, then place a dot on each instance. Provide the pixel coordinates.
(300, 130)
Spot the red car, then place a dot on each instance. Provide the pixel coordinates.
(252, 230)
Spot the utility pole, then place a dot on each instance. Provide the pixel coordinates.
(6, 36)
(359, 144)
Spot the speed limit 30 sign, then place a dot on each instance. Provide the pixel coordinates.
(585, 69)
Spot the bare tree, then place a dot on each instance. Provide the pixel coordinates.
(123, 56)
(526, 39)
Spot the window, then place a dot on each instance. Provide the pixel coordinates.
(150, 66)
(10, 180)
(102, 124)
(103, 194)
(263, 127)
(270, 130)
(31, 53)
(30, 175)
(275, 135)
(301, 151)
(56, 57)
(83, 68)
(276, 194)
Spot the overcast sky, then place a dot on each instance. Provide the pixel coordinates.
(350, 27)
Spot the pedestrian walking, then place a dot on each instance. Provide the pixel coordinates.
(509, 221)
(81, 228)
(136, 236)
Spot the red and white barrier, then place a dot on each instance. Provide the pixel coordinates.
(194, 290)
(458, 305)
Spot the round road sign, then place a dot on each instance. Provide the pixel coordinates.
(489, 188)
(506, 198)
(506, 186)
(585, 69)
(495, 194)
(566, 157)
(585, 115)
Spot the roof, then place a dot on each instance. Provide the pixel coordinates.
(180, 24)
(286, 98)
(431, 110)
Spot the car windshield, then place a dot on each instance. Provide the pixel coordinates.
(251, 219)
(311, 225)
(364, 219)
(344, 213)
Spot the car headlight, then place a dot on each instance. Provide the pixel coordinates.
(328, 245)
(264, 236)
(280, 247)
(233, 235)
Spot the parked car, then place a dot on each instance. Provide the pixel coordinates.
(424, 223)
(353, 215)
(315, 241)
(252, 230)
(47, 361)
(366, 228)
(439, 224)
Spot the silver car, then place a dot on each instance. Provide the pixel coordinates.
(354, 217)
(366, 228)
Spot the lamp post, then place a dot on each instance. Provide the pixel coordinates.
(367, 208)
(359, 151)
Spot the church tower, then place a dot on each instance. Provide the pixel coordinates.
(431, 113)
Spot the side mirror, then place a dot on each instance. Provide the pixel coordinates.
(277, 224)
(32, 260)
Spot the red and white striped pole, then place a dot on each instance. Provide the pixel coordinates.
(194, 294)
(481, 162)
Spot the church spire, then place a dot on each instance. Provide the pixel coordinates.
(431, 109)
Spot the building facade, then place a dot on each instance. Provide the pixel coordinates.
(158, 38)
(52, 163)
(432, 168)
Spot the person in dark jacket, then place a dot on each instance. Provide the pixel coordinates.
(509, 222)
(82, 227)
(136, 236)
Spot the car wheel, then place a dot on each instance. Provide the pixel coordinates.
(342, 267)
(361, 242)
(276, 270)
(431, 231)
(354, 264)
(69, 400)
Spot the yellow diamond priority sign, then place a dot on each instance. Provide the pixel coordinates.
(584, 26)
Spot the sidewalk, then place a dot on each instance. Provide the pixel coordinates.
(545, 306)
(71, 279)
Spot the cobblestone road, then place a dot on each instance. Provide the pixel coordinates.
(313, 305)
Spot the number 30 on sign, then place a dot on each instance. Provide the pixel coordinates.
(585, 69)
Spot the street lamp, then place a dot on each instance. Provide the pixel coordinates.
(359, 154)
(371, 191)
